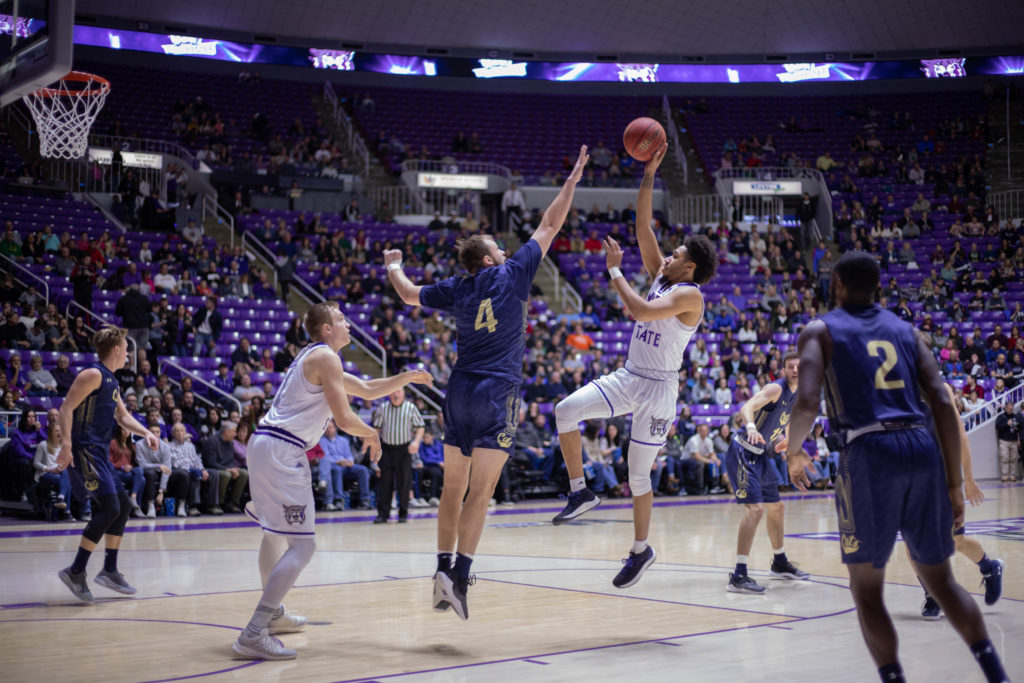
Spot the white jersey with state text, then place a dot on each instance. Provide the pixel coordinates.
(656, 347)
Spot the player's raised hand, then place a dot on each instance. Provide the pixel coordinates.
(392, 256)
(798, 464)
(655, 161)
(371, 445)
(581, 162)
(418, 377)
(613, 252)
(754, 437)
(973, 493)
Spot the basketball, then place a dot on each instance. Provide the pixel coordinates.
(642, 137)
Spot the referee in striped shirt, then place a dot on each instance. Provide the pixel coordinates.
(401, 431)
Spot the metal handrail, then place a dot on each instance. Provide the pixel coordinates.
(398, 197)
(484, 167)
(989, 411)
(133, 349)
(196, 378)
(360, 337)
(353, 138)
(211, 205)
(46, 287)
(673, 136)
(145, 145)
(1007, 203)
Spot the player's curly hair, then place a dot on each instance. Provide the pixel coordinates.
(703, 253)
(472, 251)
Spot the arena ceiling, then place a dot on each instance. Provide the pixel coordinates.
(654, 27)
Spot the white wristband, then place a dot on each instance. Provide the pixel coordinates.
(397, 265)
(751, 427)
(614, 272)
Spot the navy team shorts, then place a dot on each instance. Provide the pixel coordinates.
(92, 474)
(480, 412)
(752, 476)
(893, 482)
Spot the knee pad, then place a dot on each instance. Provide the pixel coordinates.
(105, 512)
(303, 547)
(583, 404)
(641, 459)
(124, 512)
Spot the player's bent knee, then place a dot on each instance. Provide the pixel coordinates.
(639, 484)
(755, 510)
(304, 547)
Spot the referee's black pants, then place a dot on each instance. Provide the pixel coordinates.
(395, 471)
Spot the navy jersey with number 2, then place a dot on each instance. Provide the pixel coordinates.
(481, 406)
(891, 480)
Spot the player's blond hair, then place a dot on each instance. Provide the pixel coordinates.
(107, 339)
(319, 315)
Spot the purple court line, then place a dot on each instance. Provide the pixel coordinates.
(23, 605)
(534, 661)
(784, 628)
(209, 673)
(154, 621)
(637, 597)
(662, 642)
(588, 649)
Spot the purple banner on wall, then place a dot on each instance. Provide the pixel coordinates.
(346, 60)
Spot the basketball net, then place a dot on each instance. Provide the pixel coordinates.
(64, 113)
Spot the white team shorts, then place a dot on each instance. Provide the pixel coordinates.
(652, 402)
(281, 486)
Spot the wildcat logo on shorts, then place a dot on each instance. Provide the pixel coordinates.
(849, 543)
(504, 439)
(659, 426)
(294, 514)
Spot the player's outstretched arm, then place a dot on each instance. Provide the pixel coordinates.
(86, 382)
(947, 424)
(971, 489)
(555, 215)
(325, 368)
(372, 389)
(684, 300)
(406, 290)
(815, 345)
(650, 252)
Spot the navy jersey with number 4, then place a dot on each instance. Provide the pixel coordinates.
(490, 313)
(772, 419)
(873, 374)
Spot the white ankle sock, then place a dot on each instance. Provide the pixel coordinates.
(779, 551)
(639, 546)
(577, 484)
(741, 559)
(260, 618)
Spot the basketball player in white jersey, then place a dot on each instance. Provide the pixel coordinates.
(314, 390)
(648, 385)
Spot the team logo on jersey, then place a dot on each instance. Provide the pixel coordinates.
(659, 426)
(294, 514)
(741, 493)
(849, 543)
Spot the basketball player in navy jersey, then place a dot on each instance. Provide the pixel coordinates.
(766, 415)
(648, 385)
(891, 478)
(87, 417)
(481, 408)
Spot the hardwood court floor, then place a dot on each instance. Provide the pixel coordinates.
(543, 608)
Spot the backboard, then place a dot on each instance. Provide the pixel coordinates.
(36, 45)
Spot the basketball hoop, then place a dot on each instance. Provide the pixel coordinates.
(65, 113)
